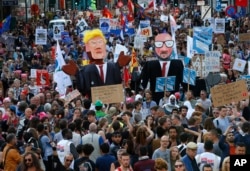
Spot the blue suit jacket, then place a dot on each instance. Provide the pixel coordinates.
(187, 162)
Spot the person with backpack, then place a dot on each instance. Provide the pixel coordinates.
(83, 162)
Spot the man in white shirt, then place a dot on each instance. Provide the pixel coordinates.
(208, 157)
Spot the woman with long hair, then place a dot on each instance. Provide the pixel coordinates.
(102, 128)
(30, 161)
(174, 156)
(144, 136)
(226, 164)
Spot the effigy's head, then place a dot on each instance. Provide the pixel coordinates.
(95, 43)
(163, 45)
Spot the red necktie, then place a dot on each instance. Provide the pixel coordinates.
(101, 73)
(163, 71)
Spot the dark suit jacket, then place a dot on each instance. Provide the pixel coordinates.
(88, 76)
(152, 70)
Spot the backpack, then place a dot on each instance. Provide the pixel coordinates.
(41, 145)
(86, 165)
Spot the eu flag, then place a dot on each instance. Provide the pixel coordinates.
(5, 24)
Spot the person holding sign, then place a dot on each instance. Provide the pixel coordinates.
(97, 73)
(163, 67)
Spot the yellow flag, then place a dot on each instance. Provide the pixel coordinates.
(134, 62)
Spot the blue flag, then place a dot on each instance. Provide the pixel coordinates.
(5, 24)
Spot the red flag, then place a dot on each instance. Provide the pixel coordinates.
(127, 77)
(106, 13)
(131, 7)
(241, 3)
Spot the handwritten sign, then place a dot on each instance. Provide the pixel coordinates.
(198, 64)
(108, 94)
(72, 95)
(227, 93)
(212, 61)
(244, 37)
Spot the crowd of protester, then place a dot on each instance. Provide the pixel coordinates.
(39, 132)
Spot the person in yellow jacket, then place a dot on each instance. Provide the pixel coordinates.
(11, 155)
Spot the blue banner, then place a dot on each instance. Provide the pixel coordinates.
(189, 76)
(66, 38)
(218, 5)
(202, 39)
(165, 84)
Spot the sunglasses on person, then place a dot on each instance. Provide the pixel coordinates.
(178, 165)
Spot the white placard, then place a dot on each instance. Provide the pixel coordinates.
(57, 30)
(239, 64)
(118, 49)
(41, 36)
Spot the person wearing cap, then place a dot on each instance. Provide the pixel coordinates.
(99, 109)
(112, 111)
(189, 159)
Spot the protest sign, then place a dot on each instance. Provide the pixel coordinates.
(247, 79)
(147, 31)
(189, 76)
(104, 25)
(198, 64)
(187, 23)
(71, 96)
(57, 31)
(228, 93)
(66, 37)
(202, 39)
(41, 36)
(243, 37)
(139, 41)
(42, 78)
(33, 73)
(114, 24)
(212, 61)
(239, 64)
(165, 84)
(219, 25)
(108, 94)
(97, 13)
(118, 49)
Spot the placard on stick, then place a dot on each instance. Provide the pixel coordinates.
(108, 94)
(227, 93)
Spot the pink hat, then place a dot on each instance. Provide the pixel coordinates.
(17, 71)
(23, 75)
(6, 99)
(42, 115)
